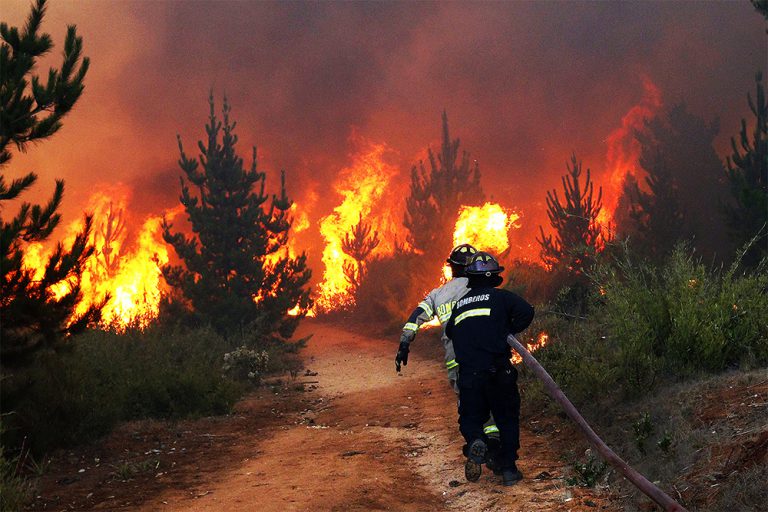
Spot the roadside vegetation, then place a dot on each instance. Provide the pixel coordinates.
(678, 353)
(645, 326)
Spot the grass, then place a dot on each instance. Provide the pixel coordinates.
(15, 488)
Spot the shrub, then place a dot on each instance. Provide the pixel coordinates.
(393, 287)
(532, 281)
(587, 473)
(643, 429)
(577, 357)
(683, 319)
(648, 323)
(244, 364)
(105, 377)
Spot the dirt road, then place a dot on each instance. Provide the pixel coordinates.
(360, 438)
(374, 441)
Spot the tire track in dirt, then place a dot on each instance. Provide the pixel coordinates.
(376, 441)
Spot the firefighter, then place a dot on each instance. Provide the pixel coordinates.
(479, 325)
(439, 302)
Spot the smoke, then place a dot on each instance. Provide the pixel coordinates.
(525, 84)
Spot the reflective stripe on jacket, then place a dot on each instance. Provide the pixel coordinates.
(438, 303)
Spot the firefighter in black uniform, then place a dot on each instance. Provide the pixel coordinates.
(479, 325)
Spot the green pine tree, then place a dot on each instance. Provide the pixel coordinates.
(226, 278)
(32, 111)
(657, 217)
(685, 186)
(437, 193)
(577, 236)
(748, 176)
(35, 312)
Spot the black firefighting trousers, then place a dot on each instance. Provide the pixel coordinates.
(493, 391)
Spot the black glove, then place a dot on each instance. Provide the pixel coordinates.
(402, 356)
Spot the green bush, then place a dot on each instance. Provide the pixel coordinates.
(682, 319)
(645, 324)
(587, 473)
(105, 377)
(577, 357)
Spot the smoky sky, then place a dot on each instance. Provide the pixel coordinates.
(525, 84)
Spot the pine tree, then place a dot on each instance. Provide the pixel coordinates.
(37, 311)
(437, 194)
(748, 176)
(577, 237)
(32, 111)
(658, 218)
(359, 246)
(225, 276)
(685, 185)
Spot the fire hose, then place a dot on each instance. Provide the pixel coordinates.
(638, 480)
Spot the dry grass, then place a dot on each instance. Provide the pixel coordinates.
(705, 442)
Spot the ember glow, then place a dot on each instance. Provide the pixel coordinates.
(541, 340)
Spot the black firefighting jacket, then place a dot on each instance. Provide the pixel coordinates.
(480, 323)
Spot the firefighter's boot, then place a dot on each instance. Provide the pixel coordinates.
(476, 453)
(493, 458)
(510, 476)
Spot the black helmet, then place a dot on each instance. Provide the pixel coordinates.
(461, 254)
(483, 264)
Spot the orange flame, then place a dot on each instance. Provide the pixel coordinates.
(624, 150)
(132, 277)
(289, 250)
(486, 227)
(363, 186)
(137, 287)
(300, 223)
(541, 341)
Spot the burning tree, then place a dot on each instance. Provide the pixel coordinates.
(111, 230)
(359, 246)
(578, 237)
(748, 176)
(437, 194)
(225, 277)
(37, 307)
